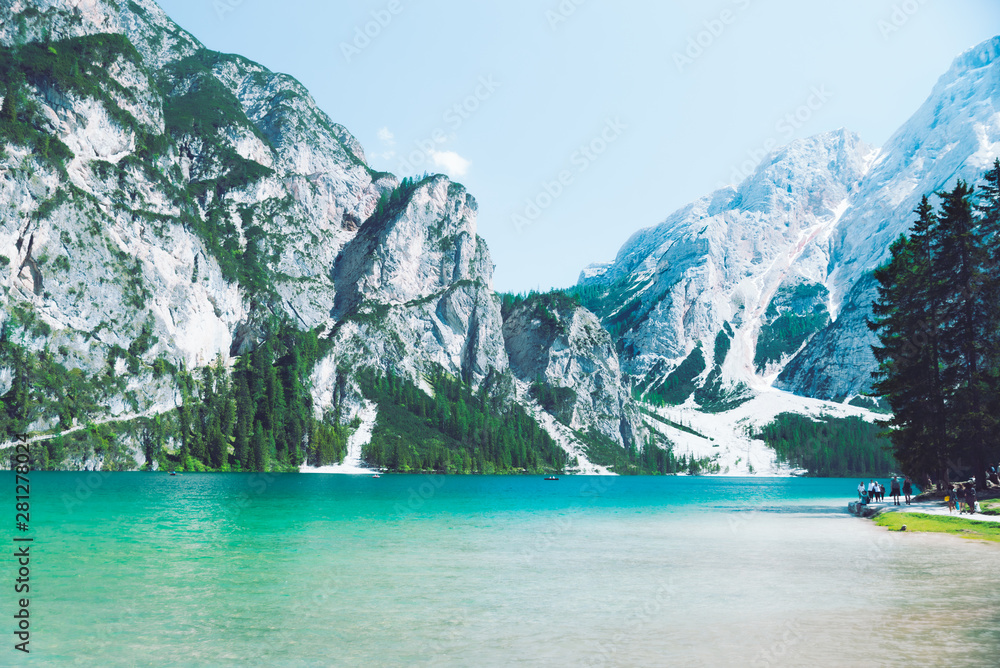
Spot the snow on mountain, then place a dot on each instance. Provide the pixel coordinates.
(813, 220)
(954, 135)
(723, 258)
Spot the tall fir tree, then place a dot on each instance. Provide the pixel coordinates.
(244, 418)
(961, 261)
(906, 318)
(258, 446)
(938, 322)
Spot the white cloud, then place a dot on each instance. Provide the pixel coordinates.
(450, 163)
(385, 136)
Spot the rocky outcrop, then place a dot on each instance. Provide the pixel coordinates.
(163, 206)
(199, 194)
(838, 362)
(415, 288)
(562, 350)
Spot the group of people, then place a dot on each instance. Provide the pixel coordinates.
(963, 498)
(874, 491)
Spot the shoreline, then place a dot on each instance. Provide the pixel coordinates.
(932, 517)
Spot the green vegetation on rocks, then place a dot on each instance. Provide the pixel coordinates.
(795, 313)
(676, 387)
(713, 396)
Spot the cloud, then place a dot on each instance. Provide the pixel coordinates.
(450, 163)
(386, 137)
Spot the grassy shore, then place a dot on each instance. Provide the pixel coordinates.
(990, 507)
(940, 524)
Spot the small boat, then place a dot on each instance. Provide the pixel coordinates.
(173, 473)
(552, 477)
(376, 476)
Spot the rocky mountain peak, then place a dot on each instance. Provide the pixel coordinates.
(147, 27)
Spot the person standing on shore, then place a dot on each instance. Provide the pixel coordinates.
(907, 490)
(970, 498)
(894, 490)
(861, 491)
(872, 490)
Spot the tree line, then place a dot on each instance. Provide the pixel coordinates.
(937, 319)
(457, 430)
(258, 416)
(829, 447)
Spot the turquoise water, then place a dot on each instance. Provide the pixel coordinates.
(230, 569)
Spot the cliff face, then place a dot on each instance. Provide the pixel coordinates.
(163, 206)
(563, 350)
(199, 192)
(414, 288)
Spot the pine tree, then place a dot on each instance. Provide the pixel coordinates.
(8, 113)
(244, 421)
(257, 448)
(988, 209)
(937, 322)
(961, 262)
(906, 318)
(216, 445)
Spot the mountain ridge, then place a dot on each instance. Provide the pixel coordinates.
(171, 215)
(954, 134)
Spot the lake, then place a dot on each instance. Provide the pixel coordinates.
(316, 570)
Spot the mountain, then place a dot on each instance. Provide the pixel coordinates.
(777, 271)
(186, 235)
(200, 270)
(954, 135)
(731, 264)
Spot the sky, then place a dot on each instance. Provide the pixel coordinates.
(576, 123)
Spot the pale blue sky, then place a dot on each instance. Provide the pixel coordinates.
(536, 84)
